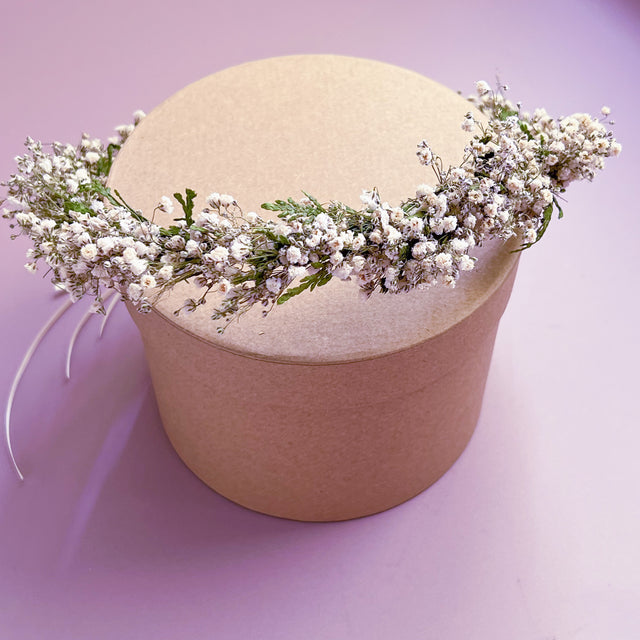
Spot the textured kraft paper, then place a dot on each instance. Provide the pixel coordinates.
(332, 407)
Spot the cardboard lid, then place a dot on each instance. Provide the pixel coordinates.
(328, 125)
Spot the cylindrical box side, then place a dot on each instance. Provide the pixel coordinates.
(322, 442)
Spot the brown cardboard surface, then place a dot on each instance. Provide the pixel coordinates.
(331, 407)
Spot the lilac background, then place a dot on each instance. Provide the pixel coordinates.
(533, 534)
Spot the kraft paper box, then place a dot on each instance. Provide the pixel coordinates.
(331, 407)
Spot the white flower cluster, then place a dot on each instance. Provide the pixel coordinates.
(515, 167)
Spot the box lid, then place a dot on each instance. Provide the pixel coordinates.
(328, 125)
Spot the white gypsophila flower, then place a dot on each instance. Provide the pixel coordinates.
(444, 260)
(393, 235)
(503, 216)
(468, 124)
(274, 285)
(482, 87)
(147, 281)
(142, 249)
(515, 184)
(458, 245)
(425, 154)
(375, 236)
(282, 229)
(138, 266)
(165, 204)
(323, 222)
(391, 278)
(45, 165)
(347, 238)
(192, 248)
(415, 225)
(124, 130)
(296, 271)
(396, 214)
(89, 251)
(419, 250)
(358, 263)
(465, 263)
(424, 192)
(343, 271)
(449, 223)
(369, 200)
(294, 255)
(227, 201)
(165, 273)
(240, 248)
(134, 291)
(138, 116)
(213, 199)
(336, 258)
(314, 239)
(130, 255)
(251, 217)
(358, 242)
(92, 157)
(437, 226)
(225, 287)
(219, 254)
(547, 196)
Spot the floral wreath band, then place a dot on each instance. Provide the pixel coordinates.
(511, 178)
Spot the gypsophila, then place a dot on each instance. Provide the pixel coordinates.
(516, 167)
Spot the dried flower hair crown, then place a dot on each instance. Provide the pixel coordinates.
(514, 170)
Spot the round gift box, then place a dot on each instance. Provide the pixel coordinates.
(332, 406)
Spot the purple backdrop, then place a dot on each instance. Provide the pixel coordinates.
(533, 534)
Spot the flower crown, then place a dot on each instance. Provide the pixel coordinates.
(509, 182)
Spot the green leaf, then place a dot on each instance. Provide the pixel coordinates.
(294, 291)
(505, 113)
(310, 282)
(525, 129)
(546, 219)
(77, 206)
(180, 199)
(559, 208)
(169, 231)
(315, 202)
(187, 205)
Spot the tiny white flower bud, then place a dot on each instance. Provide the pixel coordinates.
(293, 255)
(165, 204)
